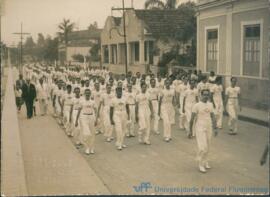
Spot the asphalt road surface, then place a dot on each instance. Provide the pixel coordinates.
(160, 168)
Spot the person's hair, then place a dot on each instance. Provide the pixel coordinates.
(76, 88)
(87, 89)
(218, 79)
(152, 79)
(68, 86)
(233, 78)
(118, 89)
(205, 90)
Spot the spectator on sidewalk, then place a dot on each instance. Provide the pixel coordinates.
(29, 95)
(18, 95)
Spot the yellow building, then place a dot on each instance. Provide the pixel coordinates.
(233, 39)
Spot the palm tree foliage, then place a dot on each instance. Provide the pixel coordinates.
(159, 4)
(65, 27)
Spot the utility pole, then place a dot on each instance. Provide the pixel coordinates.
(21, 35)
(123, 9)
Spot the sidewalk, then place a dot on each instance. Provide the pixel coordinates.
(53, 166)
(13, 181)
(255, 116)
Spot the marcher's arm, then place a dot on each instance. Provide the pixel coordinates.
(111, 115)
(214, 123)
(191, 124)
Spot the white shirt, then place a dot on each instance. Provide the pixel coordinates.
(203, 111)
(119, 105)
(190, 95)
(153, 93)
(88, 106)
(167, 95)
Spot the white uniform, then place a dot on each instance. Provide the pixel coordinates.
(87, 122)
(216, 90)
(153, 96)
(131, 99)
(144, 114)
(167, 112)
(203, 129)
(232, 106)
(120, 119)
(76, 102)
(202, 86)
(190, 100)
(42, 96)
(66, 111)
(58, 93)
(182, 88)
(105, 113)
(96, 95)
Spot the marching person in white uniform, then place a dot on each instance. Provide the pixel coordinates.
(87, 114)
(203, 126)
(42, 96)
(232, 105)
(143, 114)
(106, 99)
(190, 99)
(131, 101)
(153, 93)
(216, 94)
(75, 106)
(66, 103)
(166, 111)
(119, 114)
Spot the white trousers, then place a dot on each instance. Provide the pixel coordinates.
(43, 104)
(168, 116)
(219, 113)
(120, 121)
(203, 138)
(108, 127)
(144, 123)
(87, 123)
(232, 109)
(66, 113)
(76, 130)
(155, 115)
(131, 121)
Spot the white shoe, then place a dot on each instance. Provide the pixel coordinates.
(202, 169)
(108, 139)
(207, 166)
(119, 147)
(92, 151)
(87, 151)
(124, 146)
(167, 139)
(147, 142)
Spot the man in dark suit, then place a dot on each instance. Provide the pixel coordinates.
(29, 95)
(20, 82)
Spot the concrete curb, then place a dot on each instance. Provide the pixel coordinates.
(254, 120)
(13, 182)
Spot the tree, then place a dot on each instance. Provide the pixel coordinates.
(94, 52)
(65, 27)
(29, 47)
(51, 49)
(159, 4)
(93, 26)
(78, 57)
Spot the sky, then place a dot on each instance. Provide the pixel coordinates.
(43, 16)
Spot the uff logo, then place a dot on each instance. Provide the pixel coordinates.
(143, 187)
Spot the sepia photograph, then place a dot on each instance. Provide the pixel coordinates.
(134, 97)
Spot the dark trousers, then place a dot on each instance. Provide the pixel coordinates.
(29, 108)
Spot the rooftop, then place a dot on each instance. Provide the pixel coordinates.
(163, 22)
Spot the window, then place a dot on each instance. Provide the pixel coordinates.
(114, 54)
(251, 52)
(148, 52)
(105, 54)
(212, 49)
(135, 52)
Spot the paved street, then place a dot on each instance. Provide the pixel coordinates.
(234, 160)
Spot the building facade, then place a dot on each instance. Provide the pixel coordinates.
(149, 34)
(79, 43)
(233, 39)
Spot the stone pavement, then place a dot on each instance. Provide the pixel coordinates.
(53, 165)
